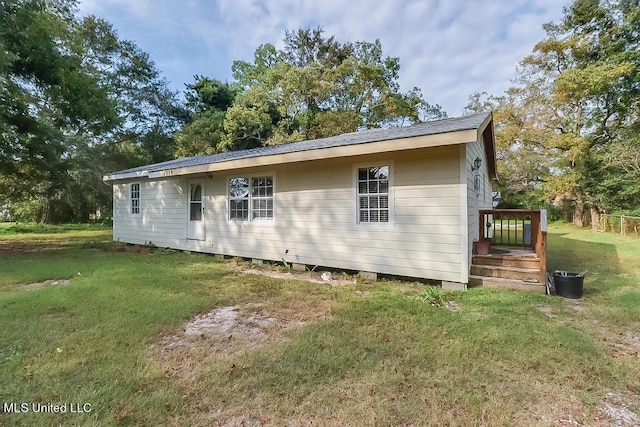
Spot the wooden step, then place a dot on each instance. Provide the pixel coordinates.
(520, 261)
(500, 283)
(526, 274)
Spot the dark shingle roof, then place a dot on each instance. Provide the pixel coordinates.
(456, 124)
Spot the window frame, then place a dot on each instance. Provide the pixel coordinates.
(390, 194)
(251, 198)
(230, 199)
(135, 210)
(266, 198)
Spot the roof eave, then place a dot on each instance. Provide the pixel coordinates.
(125, 175)
(486, 132)
(486, 135)
(435, 140)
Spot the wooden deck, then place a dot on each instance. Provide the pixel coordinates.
(508, 268)
(518, 257)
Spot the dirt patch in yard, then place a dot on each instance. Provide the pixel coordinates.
(229, 332)
(570, 411)
(36, 285)
(621, 342)
(13, 246)
(323, 277)
(616, 409)
(547, 311)
(42, 284)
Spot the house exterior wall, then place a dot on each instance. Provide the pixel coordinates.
(476, 200)
(163, 212)
(315, 215)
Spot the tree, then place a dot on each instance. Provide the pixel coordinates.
(69, 87)
(523, 162)
(47, 96)
(587, 93)
(317, 87)
(576, 101)
(207, 102)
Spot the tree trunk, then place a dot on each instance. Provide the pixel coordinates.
(46, 211)
(595, 218)
(578, 210)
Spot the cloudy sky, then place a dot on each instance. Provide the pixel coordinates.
(448, 48)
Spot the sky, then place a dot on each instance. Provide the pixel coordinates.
(449, 49)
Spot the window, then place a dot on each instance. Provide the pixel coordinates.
(135, 198)
(373, 194)
(251, 199)
(239, 199)
(195, 202)
(262, 197)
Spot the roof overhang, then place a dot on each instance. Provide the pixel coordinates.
(327, 153)
(117, 176)
(487, 133)
(484, 133)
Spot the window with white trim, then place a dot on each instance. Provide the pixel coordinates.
(373, 194)
(135, 198)
(251, 198)
(262, 197)
(239, 199)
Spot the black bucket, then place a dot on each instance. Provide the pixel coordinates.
(568, 285)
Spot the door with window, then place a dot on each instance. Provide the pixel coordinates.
(195, 229)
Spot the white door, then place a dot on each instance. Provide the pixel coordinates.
(195, 229)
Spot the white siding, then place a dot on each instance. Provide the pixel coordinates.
(476, 202)
(163, 213)
(315, 216)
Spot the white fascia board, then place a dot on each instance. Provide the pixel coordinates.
(450, 138)
(127, 175)
(158, 174)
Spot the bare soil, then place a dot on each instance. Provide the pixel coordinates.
(229, 332)
(13, 246)
(615, 410)
(322, 277)
(43, 283)
(232, 331)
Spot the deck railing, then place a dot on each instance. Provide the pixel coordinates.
(516, 227)
(510, 227)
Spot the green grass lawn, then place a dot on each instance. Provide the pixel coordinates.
(82, 323)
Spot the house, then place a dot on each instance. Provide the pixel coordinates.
(401, 201)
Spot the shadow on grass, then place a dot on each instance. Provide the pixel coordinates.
(569, 252)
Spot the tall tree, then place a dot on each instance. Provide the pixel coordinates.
(68, 87)
(317, 87)
(523, 161)
(593, 65)
(47, 95)
(207, 102)
(148, 112)
(577, 96)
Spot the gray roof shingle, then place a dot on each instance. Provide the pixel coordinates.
(469, 122)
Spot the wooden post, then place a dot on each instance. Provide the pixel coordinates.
(535, 229)
(622, 225)
(543, 257)
(541, 245)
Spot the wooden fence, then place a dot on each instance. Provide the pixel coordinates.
(622, 224)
